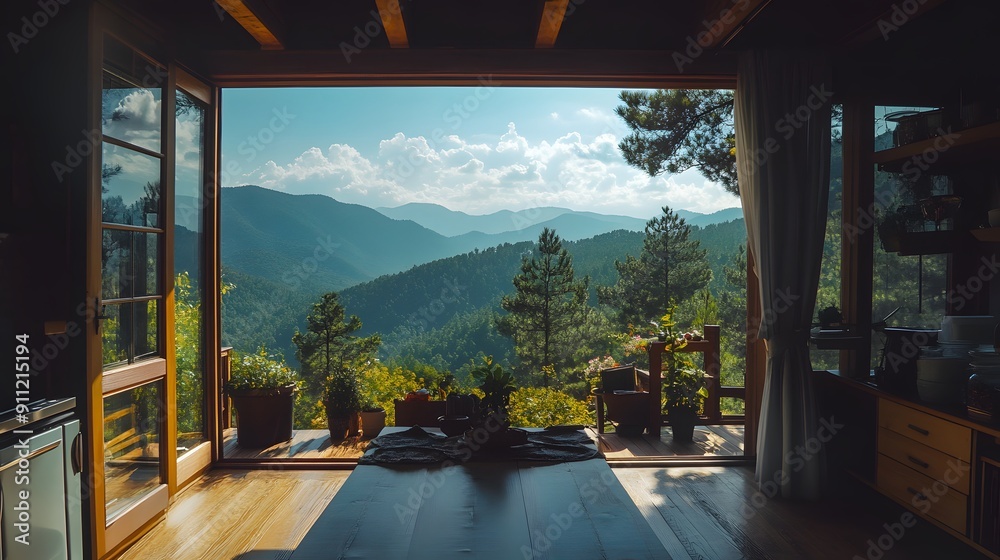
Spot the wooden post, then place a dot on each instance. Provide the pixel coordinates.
(712, 367)
(655, 390)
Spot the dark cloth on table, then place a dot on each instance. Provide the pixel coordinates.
(418, 446)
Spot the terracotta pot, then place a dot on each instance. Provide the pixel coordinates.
(372, 423)
(263, 417)
(343, 425)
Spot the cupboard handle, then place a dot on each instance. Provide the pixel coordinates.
(76, 454)
(918, 429)
(917, 462)
(919, 495)
(31, 455)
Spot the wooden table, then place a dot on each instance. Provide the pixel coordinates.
(482, 510)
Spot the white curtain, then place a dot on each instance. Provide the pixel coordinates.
(782, 110)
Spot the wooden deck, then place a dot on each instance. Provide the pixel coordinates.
(709, 441)
(305, 444)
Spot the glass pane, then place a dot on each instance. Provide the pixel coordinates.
(145, 331)
(130, 261)
(130, 187)
(131, 446)
(896, 126)
(828, 294)
(916, 284)
(188, 272)
(130, 332)
(131, 98)
(116, 264)
(114, 341)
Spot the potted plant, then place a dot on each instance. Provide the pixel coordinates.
(684, 388)
(342, 401)
(684, 395)
(492, 420)
(372, 418)
(497, 385)
(262, 389)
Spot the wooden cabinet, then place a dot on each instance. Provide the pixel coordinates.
(923, 461)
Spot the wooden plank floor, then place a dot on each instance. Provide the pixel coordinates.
(717, 441)
(697, 513)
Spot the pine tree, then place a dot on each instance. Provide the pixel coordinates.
(671, 266)
(547, 310)
(328, 346)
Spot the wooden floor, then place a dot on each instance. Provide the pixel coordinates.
(697, 513)
(718, 441)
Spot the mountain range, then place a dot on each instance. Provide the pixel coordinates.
(282, 251)
(322, 244)
(453, 223)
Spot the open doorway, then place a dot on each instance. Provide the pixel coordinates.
(420, 207)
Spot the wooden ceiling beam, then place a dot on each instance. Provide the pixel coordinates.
(553, 15)
(392, 21)
(258, 20)
(722, 20)
(488, 67)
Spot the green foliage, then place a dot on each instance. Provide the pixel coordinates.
(380, 384)
(675, 130)
(341, 394)
(543, 406)
(188, 352)
(671, 266)
(261, 371)
(683, 383)
(328, 347)
(548, 308)
(463, 338)
(496, 385)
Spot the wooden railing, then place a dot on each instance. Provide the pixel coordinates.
(710, 350)
(225, 369)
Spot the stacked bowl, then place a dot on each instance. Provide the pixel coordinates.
(984, 384)
(941, 380)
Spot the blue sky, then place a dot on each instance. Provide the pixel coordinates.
(474, 149)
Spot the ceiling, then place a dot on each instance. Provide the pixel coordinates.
(682, 42)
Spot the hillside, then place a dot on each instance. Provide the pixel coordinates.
(316, 243)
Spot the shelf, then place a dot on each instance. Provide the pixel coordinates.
(987, 235)
(837, 339)
(934, 242)
(965, 146)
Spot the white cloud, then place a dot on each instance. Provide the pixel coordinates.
(507, 172)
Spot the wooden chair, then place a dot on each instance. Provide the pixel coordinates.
(622, 378)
